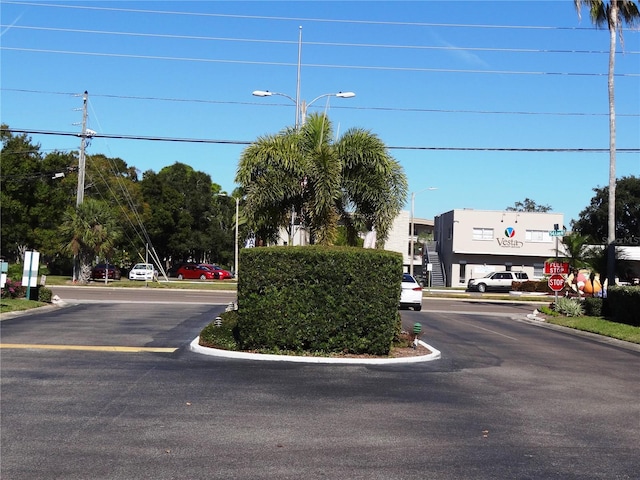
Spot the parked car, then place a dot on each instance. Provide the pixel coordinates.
(220, 273)
(194, 271)
(496, 281)
(411, 294)
(142, 271)
(100, 271)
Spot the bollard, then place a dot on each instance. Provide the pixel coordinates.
(417, 328)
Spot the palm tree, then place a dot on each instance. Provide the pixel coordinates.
(302, 173)
(613, 14)
(89, 231)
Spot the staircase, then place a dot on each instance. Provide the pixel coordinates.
(432, 257)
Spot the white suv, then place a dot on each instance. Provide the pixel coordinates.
(496, 281)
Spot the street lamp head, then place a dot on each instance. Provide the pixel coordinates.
(345, 94)
(262, 93)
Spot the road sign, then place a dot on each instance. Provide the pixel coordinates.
(553, 268)
(556, 282)
(556, 233)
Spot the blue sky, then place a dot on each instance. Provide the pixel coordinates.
(444, 84)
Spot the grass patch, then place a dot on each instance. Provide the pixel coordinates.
(52, 281)
(18, 304)
(600, 326)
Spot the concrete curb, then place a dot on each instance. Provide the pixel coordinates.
(195, 347)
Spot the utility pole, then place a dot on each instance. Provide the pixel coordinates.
(81, 171)
(82, 158)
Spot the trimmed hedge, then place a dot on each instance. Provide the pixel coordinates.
(623, 305)
(318, 299)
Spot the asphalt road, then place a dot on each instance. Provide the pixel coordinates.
(508, 400)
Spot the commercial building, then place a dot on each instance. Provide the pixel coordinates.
(473, 243)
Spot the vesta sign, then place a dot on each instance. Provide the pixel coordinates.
(509, 241)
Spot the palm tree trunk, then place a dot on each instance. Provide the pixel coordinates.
(611, 230)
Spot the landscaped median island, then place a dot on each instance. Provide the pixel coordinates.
(315, 301)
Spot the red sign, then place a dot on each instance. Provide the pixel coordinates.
(555, 268)
(556, 282)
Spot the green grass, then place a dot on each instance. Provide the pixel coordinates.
(52, 281)
(18, 304)
(600, 326)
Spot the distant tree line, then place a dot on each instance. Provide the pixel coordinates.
(179, 212)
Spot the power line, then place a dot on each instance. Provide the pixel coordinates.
(316, 65)
(288, 105)
(298, 19)
(324, 44)
(247, 142)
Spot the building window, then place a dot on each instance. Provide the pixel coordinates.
(483, 233)
(538, 270)
(538, 236)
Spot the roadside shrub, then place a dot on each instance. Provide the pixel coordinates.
(223, 336)
(45, 294)
(13, 289)
(569, 307)
(593, 306)
(318, 299)
(623, 304)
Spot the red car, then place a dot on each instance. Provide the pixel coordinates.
(194, 271)
(220, 273)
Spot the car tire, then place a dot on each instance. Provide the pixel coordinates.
(417, 308)
(203, 277)
(180, 277)
(482, 287)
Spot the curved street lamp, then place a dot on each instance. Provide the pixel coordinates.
(301, 108)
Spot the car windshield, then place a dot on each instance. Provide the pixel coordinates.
(142, 266)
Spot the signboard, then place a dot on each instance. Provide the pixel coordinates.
(30, 270)
(556, 282)
(553, 268)
(556, 233)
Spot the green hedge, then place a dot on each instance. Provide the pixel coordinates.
(318, 299)
(623, 305)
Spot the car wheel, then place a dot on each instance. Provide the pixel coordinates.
(482, 287)
(180, 277)
(203, 277)
(417, 308)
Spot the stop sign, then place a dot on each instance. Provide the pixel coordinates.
(556, 282)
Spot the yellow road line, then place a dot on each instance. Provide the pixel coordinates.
(90, 348)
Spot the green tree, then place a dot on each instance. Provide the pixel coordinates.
(304, 175)
(612, 14)
(528, 205)
(183, 213)
(89, 231)
(592, 221)
(35, 190)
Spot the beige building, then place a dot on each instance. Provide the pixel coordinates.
(473, 243)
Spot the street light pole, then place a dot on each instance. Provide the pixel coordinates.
(301, 107)
(235, 249)
(412, 226)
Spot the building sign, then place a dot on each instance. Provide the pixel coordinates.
(509, 241)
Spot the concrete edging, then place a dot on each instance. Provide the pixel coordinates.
(195, 347)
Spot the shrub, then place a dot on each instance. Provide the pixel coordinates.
(593, 306)
(568, 307)
(13, 289)
(623, 304)
(45, 294)
(318, 299)
(223, 336)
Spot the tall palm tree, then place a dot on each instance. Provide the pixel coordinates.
(613, 14)
(303, 173)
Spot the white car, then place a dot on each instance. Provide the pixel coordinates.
(142, 271)
(411, 294)
(496, 281)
